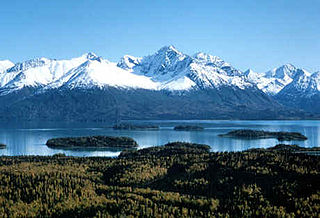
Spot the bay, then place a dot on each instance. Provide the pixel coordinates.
(29, 138)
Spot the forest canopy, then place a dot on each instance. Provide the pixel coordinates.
(178, 179)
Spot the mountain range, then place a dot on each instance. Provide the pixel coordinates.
(165, 85)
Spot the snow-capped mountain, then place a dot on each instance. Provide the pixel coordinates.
(167, 69)
(273, 81)
(211, 71)
(38, 72)
(283, 72)
(164, 65)
(128, 62)
(215, 61)
(174, 70)
(166, 84)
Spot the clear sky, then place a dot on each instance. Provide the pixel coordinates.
(249, 34)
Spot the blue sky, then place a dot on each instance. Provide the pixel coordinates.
(249, 34)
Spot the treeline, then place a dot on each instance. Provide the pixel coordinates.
(176, 180)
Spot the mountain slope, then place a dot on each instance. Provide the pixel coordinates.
(111, 104)
(101, 73)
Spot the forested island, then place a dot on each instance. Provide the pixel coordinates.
(128, 126)
(177, 179)
(260, 134)
(2, 146)
(188, 128)
(92, 141)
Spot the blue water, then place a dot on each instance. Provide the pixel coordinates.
(30, 138)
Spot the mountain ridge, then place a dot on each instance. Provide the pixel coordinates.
(165, 82)
(168, 69)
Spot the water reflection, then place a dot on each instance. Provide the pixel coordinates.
(30, 138)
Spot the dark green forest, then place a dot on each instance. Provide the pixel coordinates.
(175, 180)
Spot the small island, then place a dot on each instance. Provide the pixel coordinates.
(171, 148)
(288, 148)
(2, 146)
(260, 134)
(92, 141)
(188, 128)
(294, 148)
(128, 126)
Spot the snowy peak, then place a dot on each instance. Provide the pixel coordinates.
(168, 55)
(253, 76)
(273, 81)
(210, 60)
(215, 61)
(178, 71)
(78, 77)
(40, 72)
(28, 73)
(33, 63)
(287, 70)
(250, 72)
(92, 56)
(16, 77)
(5, 64)
(167, 63)
(169, 49)
(306, 82)
(128, 62)
(303, 85)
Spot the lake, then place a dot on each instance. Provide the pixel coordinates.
(29, 138)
